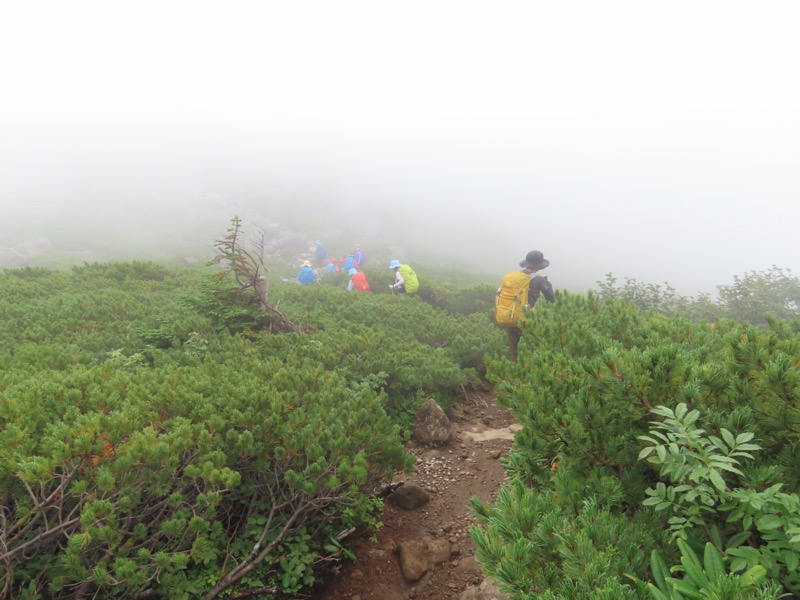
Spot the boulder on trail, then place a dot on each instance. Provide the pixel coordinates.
(432, 427)
(409, 497)
(419, 556)
(487, 590)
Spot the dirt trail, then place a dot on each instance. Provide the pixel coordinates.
(468, 466)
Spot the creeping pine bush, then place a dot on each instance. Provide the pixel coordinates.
(78, 317)
(152, 447)
(538, 546)
(594, 379)
(180, 481)
(146, 451)
(420, 348)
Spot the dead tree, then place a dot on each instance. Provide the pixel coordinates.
(249, 271)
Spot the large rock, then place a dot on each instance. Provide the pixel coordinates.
(468, 569)
(419, 556)
(409, 497)
(440, 550)
(487, 590)
(415, 559)
(431, 425)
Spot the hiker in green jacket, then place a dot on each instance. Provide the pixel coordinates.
(405, 280)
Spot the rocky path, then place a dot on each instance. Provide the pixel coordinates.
(426, 553)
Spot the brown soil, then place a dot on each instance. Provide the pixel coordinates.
(466, 467)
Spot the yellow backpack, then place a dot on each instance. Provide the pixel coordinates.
(511, 296)
(412, 283)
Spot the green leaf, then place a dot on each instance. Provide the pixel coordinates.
(753, 575)
(655, 593)
(684, 588)
(713, 564)
(723, 460)
(728, 437)
(692, 566)
(745, 454)
(768, 522)
(792, 560)
(718, 443)
(680, 411)
(728, 468)
(738, 564)
(717, 480)
(748, 447)
(737, 540)
(659, 570)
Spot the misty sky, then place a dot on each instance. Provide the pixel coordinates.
(659, 141)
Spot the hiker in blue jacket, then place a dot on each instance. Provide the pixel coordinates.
(359, 257)
(320, 253)
(306, 275)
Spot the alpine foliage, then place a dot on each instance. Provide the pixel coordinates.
(154, 445)
(647, 441)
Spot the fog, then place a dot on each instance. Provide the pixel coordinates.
(658, 142)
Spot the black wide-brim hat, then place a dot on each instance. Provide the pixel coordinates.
(535, 261)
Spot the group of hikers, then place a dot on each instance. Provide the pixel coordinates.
(517, 289)
(405, 283)
(310, 272)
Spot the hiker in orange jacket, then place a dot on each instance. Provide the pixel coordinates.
(358, 281)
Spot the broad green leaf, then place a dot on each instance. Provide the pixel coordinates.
(717, 480)
(768, 522)
(728, 437)
(729, 468)
(645, 453)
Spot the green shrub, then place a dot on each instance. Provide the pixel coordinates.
(121, 479)
(755, 527)
(589, 374)
(155, 439)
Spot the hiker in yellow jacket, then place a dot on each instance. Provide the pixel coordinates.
(405, 280)
(518, 289)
